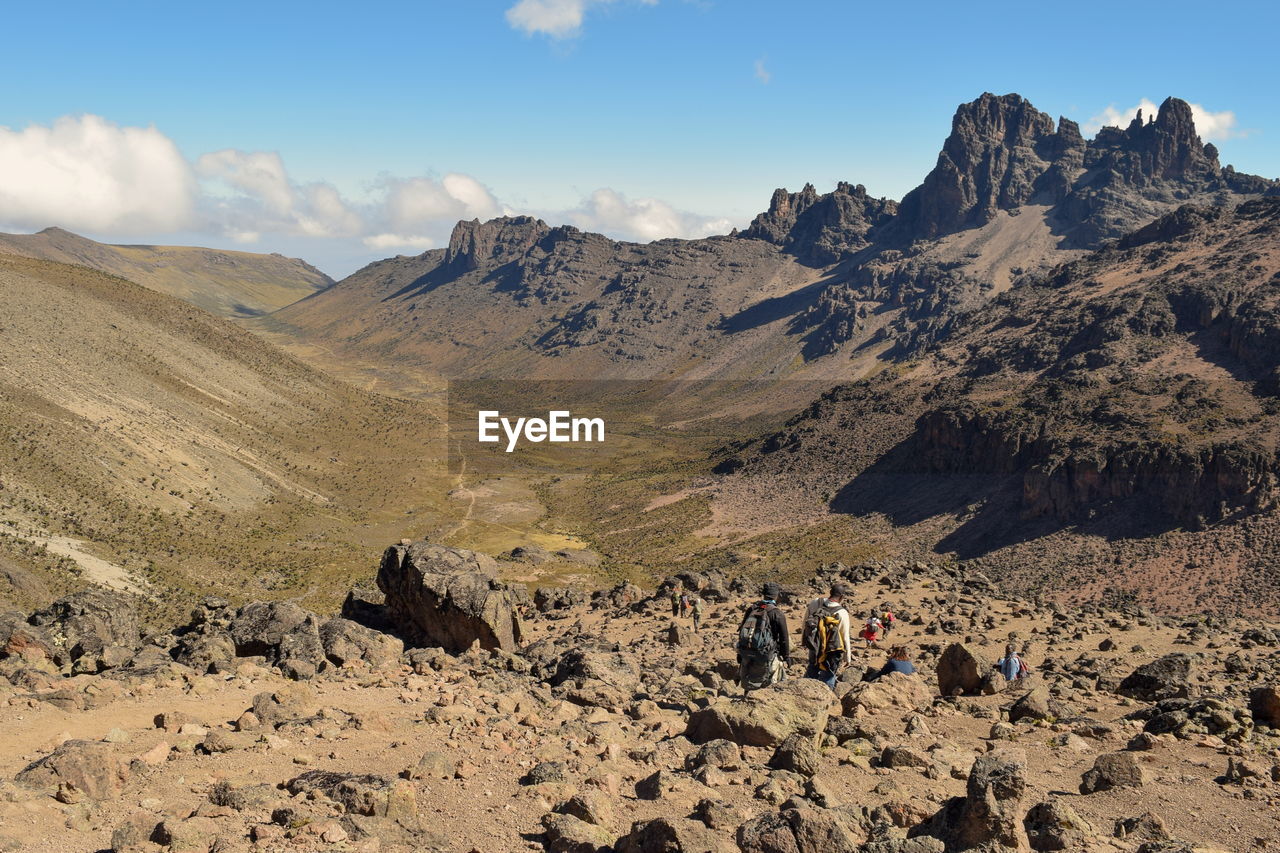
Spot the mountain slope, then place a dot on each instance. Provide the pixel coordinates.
(1114, 422)
(230, 284)
(149, 435)
(819, 286)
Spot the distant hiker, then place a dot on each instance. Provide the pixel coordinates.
(695, 608)
(887, 619)
(899, 661)
(871, 631)
(826, 635)
(675, 601)
(684, 604)
(1011, 666)
(764, 644)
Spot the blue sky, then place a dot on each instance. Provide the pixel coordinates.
(344, 133)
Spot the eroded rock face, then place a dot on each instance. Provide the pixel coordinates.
(449, 597)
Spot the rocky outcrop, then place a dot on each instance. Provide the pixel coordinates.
(91, 630)
(960, 672)
(477, 244)
(449, 597)
(997, 152)
(821, 229)
(78, 769)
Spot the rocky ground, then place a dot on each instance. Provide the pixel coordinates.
(449, 711)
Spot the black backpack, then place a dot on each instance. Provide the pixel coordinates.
(755, 637)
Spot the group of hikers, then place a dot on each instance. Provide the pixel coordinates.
(764, 642)
(684, 604)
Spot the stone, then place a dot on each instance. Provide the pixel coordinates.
(959, 671)
(567, 833)
(1054, 825)
(92, 630)
(346, 642)
(1264, 704)
(802, 830)
(892, 692)
(363, 794)
(434, 765)
(767, 716)
(672, 835)
(1168, 677)
(797, 754)
(1035, 705)
(91, 768)
(449, 597)
(284, 633)
(1113, 770)
(989, 816)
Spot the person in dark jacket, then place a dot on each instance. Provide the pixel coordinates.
(899, 661)
(761, 670)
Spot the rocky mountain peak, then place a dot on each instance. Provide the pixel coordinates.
(999, 147)
(820, 229)
(1162, 147)
(474, 244)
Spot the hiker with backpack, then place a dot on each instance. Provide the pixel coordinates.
(1012, 666)
(764, 644)
(695, 610)
(871, 631)
(826, 635)
(675, 601)
(684, 604)
(887, 619)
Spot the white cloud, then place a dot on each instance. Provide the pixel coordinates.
(87, 173)
(558, 19)
(642, 220)
(263, 198)
(762, 73)
(1210, 126)
(387, 241)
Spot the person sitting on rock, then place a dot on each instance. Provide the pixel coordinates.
(899, 661)
(764, 643)
(1011, 666)
(826, 635)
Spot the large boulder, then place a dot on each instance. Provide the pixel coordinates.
(767, 716)
(19, 638)
(1054, 825)
(346, 642)
(1168, 677)
(598, 675)
(372, 795)
(91, 630)
(959, 671)
(1264, 703)
(989, 817)
(1113, 770)
(673, 835)
(284, 633)
(803, 830)
(78, 768)
(449, 597)
(894, 692)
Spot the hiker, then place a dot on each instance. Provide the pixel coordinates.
(684, 604)
(764, 644)
(871, 631)
(1011, 666)
(675, 601)
(695, 609)
(826, 635)
(887, 619)
(899, 661)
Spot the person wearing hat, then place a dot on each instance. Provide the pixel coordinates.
(764, 643)
(826, 635)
